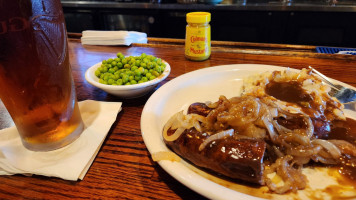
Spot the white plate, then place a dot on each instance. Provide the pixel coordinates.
(198, 86)
(125, 91)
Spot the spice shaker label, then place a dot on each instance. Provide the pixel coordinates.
(198, 41)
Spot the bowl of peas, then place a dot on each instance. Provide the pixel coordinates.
(128, 76)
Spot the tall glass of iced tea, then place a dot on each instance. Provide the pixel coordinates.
(36, 83)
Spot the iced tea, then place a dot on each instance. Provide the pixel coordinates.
(36, 83)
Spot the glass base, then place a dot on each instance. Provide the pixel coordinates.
(58, 144)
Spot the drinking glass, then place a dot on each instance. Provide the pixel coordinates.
(36, 84)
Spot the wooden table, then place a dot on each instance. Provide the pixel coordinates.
(123, 168)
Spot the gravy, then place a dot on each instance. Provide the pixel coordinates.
(288, 91)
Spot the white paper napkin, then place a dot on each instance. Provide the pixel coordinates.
(113, 37)
(70, 162)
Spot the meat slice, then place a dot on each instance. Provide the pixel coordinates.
(235, 158)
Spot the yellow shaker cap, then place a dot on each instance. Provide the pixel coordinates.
(198, 17)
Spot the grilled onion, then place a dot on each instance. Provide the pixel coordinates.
(216, 136)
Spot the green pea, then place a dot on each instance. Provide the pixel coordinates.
(120, 55)
(137, 78)
(141, 69)
(137, 72)
(144, 79)
(155, 73)
(103, 69)
(111, 81)
(130, 73)
(116, 77)
(150, 57)
(125, 78)
(152, 77)
(119, 65)
(119, 82)
(134, 68)
(111, 70)
(150, 65)
(144, 65)
(133, 82)
(158, 69)
(106, 78)
(97, 73)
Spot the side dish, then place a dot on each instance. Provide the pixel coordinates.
(282, 122)
(129, 70)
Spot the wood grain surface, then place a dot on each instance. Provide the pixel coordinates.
(123, 168)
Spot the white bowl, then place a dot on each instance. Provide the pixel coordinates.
(125, 91)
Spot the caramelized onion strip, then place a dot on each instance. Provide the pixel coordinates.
(345, 147)
(330, 147)
(280, 129)
(180, 122)
(310, 126)
(292, 178)
(318, 158)
(269, 127)
(304, 152)
(216, 136)
(168, 125)
(296, 138)
(177, 133)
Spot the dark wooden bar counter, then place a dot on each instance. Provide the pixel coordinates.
(123, 168)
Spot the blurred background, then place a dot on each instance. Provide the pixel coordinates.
(306, 22)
